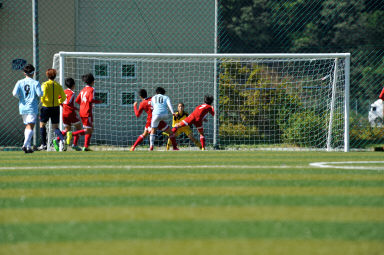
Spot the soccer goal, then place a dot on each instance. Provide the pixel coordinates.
(262, 101)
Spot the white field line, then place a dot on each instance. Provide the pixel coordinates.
(348, 165)
(337, 165)
(128, 167)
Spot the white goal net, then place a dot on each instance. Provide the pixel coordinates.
(266, 101)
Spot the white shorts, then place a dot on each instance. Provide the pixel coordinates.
(157, 118)
(29, 118)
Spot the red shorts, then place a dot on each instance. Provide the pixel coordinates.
(70, 119)
(162, 126)
(191, 120)
(87, 122)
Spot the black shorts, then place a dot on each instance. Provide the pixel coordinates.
(52, 113)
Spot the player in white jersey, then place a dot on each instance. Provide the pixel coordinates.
(160, 103)
(28, 91)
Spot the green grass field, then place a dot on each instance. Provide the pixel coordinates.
(191, 203)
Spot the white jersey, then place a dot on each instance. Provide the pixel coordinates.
(160, 103)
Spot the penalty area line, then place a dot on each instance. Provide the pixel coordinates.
(129, 167)
(351, 165)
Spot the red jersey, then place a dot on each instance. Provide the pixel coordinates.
(382, 94)
(69, 103)
(200, 112)
(146, 106)
(86, 100)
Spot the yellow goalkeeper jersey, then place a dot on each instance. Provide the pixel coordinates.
(179, 117)
(51, 92)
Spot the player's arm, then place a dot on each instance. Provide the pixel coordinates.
(15, 91)
(62, 95)
(382, 94)
(170, 106)
(44, 98)
(39, 91)
(92, 99)
(78, 99)
(138, 111)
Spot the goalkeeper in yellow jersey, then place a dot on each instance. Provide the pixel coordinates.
(178, 117)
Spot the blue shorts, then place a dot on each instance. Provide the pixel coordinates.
(52, 113)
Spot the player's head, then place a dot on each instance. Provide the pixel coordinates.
(88, 79)
(160, 90)
(29, 70)
(51, 74)
(208, 99)
(69, 83)
(143, 93)
(180, 107)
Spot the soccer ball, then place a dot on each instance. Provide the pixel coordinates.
(375, 115)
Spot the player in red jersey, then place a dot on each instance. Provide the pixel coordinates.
(70, 116)
(146, 106)
(197, 117)
(86, 100)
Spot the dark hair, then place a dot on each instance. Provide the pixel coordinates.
(51, 74)
(208, 99)
(88, 78)
(143, 93)
(29, 69)
(69, 82)
(181, 104)
(160, 90)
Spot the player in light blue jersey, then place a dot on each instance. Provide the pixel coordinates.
(160, 104)
(28, 91)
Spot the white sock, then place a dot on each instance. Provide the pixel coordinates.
(151, 140)
(28, 133)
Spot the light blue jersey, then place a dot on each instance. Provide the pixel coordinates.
(160, 103)
(28, 91)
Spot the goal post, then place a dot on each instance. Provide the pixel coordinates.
(263, 101)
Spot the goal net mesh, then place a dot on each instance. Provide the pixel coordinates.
(280, 103)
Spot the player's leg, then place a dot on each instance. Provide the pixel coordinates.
(44, 118)
(141, 137)
(88, 133)
(29, 121)
(163, 126)
(154, 125)
(199, 127)
(188, 132)
(76, 135)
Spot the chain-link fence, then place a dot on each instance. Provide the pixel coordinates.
(181, 26)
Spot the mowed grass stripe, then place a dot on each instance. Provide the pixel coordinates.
(179, 170)
(191, 183)
(168, 191)
(192, 201)
(197, 246)
(75, 231)
(259, 213)
(188, 176)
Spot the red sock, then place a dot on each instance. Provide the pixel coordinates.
(139, 140)
(76, 136)
(79, 132)
(63, 132)
(87, 140)
(202, 141)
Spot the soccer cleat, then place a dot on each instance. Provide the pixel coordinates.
(69, 137)
(132, 148)
(176, 149)
(76, 148)
(24, 149)
(86, 149)
(42, 148)
(151, 148)
(29, 150)
(202, 148)
(56, 145)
